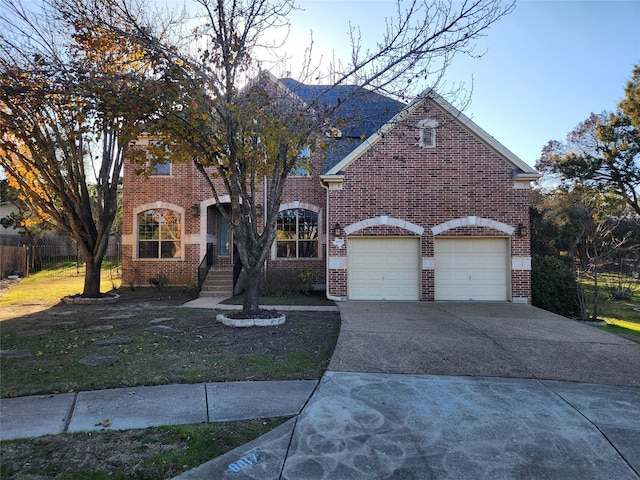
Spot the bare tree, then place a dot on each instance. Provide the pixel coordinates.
(241, 125)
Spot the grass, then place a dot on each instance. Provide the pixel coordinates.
(41, 291)
(198, 350)
(624, 313)
(621, 316)
(58, 336)
(147, 454)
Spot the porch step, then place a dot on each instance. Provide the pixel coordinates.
(219, 283)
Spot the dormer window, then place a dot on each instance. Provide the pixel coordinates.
(427, 129)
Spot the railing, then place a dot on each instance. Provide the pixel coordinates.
(205, 265)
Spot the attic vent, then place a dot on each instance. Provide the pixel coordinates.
(427, 129)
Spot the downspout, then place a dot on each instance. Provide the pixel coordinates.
(326, 215)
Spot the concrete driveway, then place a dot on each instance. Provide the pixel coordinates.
(480, 340)
(458, 391)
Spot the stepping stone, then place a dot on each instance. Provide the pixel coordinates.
(96, 360)
(114, 341)
(163, 329)
(160, 320)
(118, 316)
(100, 328)
(14, 353)
(33, 333)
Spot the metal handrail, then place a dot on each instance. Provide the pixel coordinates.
(205, 265)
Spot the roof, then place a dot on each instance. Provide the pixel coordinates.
(363, 117)
(521, 169)
(355, 111)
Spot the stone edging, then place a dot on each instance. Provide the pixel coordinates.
(250, 322)
(111, 298)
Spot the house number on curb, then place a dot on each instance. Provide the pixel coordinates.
(249, 459)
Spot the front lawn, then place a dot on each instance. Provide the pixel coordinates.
(191, 347)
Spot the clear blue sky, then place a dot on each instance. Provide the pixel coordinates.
(547, 65)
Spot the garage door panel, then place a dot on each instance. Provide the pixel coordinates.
(383, 268)
(468, 268)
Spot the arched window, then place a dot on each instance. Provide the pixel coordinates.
(297, 231)
(159, 234)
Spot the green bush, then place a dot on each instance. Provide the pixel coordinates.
(159, 282)
(553, 286)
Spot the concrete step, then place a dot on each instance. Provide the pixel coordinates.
(218, 283)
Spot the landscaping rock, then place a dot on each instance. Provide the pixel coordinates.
(79, 300)
(160, 320)
(114, 341)
(96, 360)
(14, 353)
(100, 328)
(163, 329)
(118, 316)
(250, 322)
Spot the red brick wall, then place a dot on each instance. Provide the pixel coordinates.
(458, 178)
(185, 187)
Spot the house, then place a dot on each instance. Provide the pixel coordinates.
(403, 202)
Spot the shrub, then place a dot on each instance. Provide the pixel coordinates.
(159, 281)
(306, 277)
(554, 286)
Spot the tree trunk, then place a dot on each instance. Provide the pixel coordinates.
(251, 305)
(92, 278)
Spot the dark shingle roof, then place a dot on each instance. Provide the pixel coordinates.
(355, 111)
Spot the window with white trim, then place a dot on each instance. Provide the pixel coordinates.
(297, 234)
(159, 234)
(427, 129)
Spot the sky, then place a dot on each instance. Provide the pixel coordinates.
(546, 66)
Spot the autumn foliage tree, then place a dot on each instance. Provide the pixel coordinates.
(71, 101)
(220, 108)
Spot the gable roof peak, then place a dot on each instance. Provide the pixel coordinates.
(430, 94)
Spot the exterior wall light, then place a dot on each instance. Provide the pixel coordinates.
(195, 209)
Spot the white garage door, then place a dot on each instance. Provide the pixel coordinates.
(471, 269)
(383, 268)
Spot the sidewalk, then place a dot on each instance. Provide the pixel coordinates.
(212, 302)
(142, 407)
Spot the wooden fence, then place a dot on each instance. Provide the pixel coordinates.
(12, 259)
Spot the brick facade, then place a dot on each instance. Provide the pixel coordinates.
(459, 178)
(460, 187)
(184, 188)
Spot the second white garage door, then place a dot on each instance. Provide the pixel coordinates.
(383, 268)
(471, 269)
